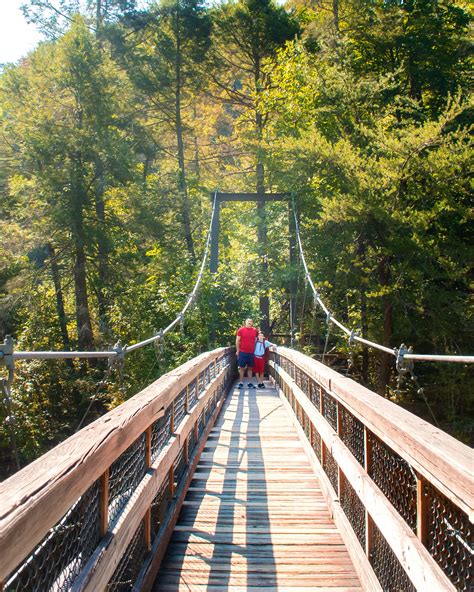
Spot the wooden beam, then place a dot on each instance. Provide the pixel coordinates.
(33, 500)
(361, 563)
(252, 196)
(421, 568)
(438, 457)
(149, 571)
(214, 258)
(101, 566)
(422, 505)
(104, 503)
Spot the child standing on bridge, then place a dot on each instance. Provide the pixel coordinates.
(259, 357)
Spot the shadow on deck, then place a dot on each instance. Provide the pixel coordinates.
(254, 516)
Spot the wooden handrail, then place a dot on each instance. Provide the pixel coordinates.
(434, 457)
(440, 458)
(36, 498)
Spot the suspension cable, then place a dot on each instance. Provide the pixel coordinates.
(397, 352)
(8, 357)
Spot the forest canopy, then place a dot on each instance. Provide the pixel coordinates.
(117, 128)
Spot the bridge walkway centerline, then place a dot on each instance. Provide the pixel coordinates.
(254, 516)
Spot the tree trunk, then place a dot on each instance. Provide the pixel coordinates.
(262, 232)
(361, 246)
(415, 90)
(364, 327)
(197, 165)
(387, 309)
(83, 320)
(335, 13)
(102, 247)
(292, 284)
(85, 335)
(59, 300)
(183, 190)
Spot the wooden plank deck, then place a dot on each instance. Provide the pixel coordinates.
(254, 516)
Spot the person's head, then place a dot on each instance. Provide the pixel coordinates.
(248, 322)
(261, 336)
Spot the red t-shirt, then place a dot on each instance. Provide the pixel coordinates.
(247, 335)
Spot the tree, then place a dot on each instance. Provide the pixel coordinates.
(162, 60)
(60, 113)
(247, 33)
(373, 192)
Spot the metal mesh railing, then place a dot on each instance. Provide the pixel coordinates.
(315, 394)
(390, 574)
(316, 443)
(60, 556)
(330, 409)
(351, 432)
(57, 561)
(193, 394)
(450, 539)
(353, 509)
(160, 506)
(180, 407)
(179, 466)
(191, 442)
(449, 530)
(160, 433)
(330, 468)
(395, 478)
(130, 565)
(125, 475)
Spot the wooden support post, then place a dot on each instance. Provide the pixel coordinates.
(186, 400)
(148, 447)
(186, 450)
(422, 506)
(104, 503)
(369, 535)
(171, 480)
(340, 474)
(147, 528)
(214, 258)
(321, 410)
(369, 525)
(172, 418)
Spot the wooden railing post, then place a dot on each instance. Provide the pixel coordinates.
(148, 447)
(104, 503)
(186, 399)
(171, 480)
(321, 410)
(422, 504)
(340, 475)
(172, 418)
(147, 516)
(369, 526)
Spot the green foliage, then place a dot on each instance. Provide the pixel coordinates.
(115, 131)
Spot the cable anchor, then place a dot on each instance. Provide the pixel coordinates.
(7, 360)
(6, 357)
(404, 367)
(159, 346)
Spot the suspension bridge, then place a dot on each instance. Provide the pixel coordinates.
(313, 483)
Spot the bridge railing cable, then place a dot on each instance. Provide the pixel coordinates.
(402, 353)
(8, 356)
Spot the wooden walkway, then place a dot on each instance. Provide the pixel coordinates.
(254, 516)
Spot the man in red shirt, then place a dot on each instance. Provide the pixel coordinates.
(245, 345)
